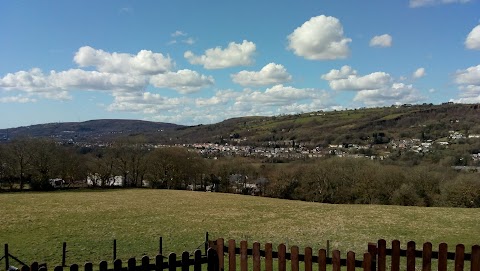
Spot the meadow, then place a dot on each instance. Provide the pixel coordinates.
(35, 224)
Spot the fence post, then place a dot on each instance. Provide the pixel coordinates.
(114, 249)
(328, 248)
(206, 243)
(372, 249)
(7, 263)
(64, 253)
(160, 250)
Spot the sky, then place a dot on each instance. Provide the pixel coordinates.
(195, 62)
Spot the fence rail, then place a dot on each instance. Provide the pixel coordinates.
(373, 260)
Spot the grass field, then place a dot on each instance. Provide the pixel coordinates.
(35, 224)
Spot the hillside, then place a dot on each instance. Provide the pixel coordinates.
(356, 126)
(347, 126)
(89, 131)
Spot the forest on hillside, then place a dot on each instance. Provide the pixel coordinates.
(401, 180)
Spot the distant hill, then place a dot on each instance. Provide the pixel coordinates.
(367, 125)
(425, 121)
(89, 131)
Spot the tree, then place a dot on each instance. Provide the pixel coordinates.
(44, 160)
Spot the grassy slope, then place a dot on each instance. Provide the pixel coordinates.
(35, 224)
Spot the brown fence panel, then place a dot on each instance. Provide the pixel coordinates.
(336, 260)
(372, 249)
(117, 265)
(382, 255)
(268, 257)
(294, 251)
(367, 262)
(220, 247)
(411, 256)
(395, 255)
(459, 257)
(256, 256)
(442, 257)
(282, 259)
(475, 259)
(232, 257)
(243, 256)
(350, 261)
(322, 260)
(427, 257)
(308, 259)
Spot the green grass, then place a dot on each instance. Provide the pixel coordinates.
(35, 224)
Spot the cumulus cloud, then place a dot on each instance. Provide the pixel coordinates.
(117, 73)
(270, 74)
(384, 40)
(320, 38)
(374, 89)
(145, 62)
(469, 76)
(178, 33)
(17, 99)
(236, 54)
(184, 81)
(473, 39)
(419, 73)
(397, 93)
(221, 97)
(343, 73)
(468, 81)
(424, 3)
(347, 79)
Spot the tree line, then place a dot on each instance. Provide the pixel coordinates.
(32, 163)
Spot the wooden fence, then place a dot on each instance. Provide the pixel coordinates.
(263, 259)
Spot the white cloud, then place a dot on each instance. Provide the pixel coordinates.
(320, 38)
(423, 3)
(189, 41)
(277, 95)
(343, 73)
(183, 81)
(221, 97)
(397, 93)
(143, 102)
(469, 85)
(469, 76)
(236, 54)
(270, 74)
(384, 40)
(347, 79)
(473, 39)
(144, 62)
(419, 73)
(374, 89)
(178, 33)
(17, 99)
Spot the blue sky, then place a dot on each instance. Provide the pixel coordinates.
(192, 62)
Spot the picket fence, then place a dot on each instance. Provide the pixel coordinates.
(375, 259)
